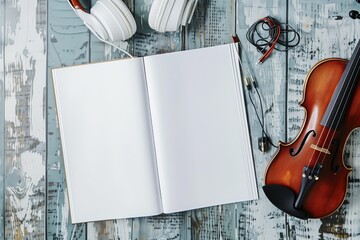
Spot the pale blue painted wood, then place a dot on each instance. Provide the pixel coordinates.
(25, 139)
(213, 24)
(2, 117)
(68, 44)
(117, 228)
(327, 31)
(259, 219)
(145, 42)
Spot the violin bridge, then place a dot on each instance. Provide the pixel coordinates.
(320, 149)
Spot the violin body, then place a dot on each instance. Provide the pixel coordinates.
(307, 177)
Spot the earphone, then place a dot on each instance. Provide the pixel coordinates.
(112, 21)
(251, 85)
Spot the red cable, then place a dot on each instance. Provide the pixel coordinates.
(268, 52)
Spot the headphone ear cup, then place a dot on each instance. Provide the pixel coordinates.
(154, 15)
(128, 18)
(166, 15)
(93, 24)
(188, 12)
(116, 18)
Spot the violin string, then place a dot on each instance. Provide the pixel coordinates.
(329, 132)
(353, 74)
(332, 133)
(326, 138)
(348, 83)
(327, 121)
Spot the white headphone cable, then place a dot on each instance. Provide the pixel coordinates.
(106, 41)
(117, 47)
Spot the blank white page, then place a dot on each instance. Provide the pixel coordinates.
(107, 141)
(200, 128)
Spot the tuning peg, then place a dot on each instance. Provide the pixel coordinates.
(354, 14)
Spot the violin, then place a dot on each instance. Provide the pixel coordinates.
(307, 178)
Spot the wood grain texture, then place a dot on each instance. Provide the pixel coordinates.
(259, 219)
(2, 116)
(68, 44)
(25, 120)
(146, 42)
(327, 31)
(113, 229)
(213, 24)
(33, 201)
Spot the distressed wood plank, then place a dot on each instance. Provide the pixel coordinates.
(259, 219)
(2, 117)
(213, 24)
(326, 31)
(68, 45)
(22, 84)
(145, 42)
(165, 226)
(114, 229)
(117, 228)
(25, 119)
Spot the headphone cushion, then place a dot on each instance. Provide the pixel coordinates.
(166, 15)
(118, 21)
(93, 24)
(128, 15)
(154, 14)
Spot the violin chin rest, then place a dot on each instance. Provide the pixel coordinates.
(284, 198)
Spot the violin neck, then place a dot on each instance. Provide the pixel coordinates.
(343, 93)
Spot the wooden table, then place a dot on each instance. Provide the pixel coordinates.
(39, 35)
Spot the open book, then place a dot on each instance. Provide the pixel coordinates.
(152, 135)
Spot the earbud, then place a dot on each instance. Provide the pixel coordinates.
(354, 14)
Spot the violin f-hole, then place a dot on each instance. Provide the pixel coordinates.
(292, 150)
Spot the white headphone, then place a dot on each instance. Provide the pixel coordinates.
(111, 20)
(167, 15)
